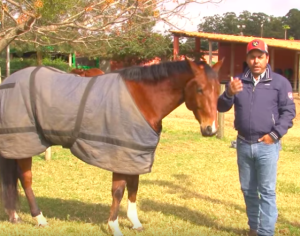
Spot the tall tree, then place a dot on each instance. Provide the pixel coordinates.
(211, 24)
(83, 22)
(141, 48)
(292, 19)
(256, 24)
(229, 23)
(273, 28)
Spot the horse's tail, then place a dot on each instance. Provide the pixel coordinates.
(9, 183)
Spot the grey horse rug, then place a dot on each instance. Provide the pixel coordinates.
(96, 118)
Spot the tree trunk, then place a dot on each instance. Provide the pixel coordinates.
(39, 57)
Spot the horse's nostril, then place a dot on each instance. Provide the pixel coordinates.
(209, 129)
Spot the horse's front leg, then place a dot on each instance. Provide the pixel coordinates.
(132, 188)
(118, 188)
(25, 176)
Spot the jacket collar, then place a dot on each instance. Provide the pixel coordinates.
(248, 76)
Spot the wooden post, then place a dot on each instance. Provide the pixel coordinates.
(197, 44)
(210, 52)
(220, 133)
(7, 61)
(175, 47)
(295, 72)
(48, 154)
(273, 59)
(70, 59)
(197, 49)
(232, 60)
(298, 74)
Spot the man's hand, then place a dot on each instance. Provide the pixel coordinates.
(266, 139)
(235, 86)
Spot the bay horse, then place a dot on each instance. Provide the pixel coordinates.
(154, 91)
(87, 73)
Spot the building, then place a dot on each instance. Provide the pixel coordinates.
(284, 54)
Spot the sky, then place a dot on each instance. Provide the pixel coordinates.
(197, 12)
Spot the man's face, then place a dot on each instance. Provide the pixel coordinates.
(257, 61)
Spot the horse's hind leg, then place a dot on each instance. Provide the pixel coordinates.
(132, 188)
(9, 188)
(118, 188)
(25, 176)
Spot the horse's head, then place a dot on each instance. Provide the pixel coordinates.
(93, 72)
(77, 71)
(201, 95)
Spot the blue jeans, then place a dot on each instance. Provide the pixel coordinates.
(257, 164)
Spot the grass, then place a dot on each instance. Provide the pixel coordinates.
(193, 188)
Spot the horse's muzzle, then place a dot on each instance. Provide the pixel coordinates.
(208, 131)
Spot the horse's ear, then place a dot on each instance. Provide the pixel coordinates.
(188, 58)
(192, 64)
(216, 67)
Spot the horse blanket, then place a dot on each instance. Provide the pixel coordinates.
(95, 117)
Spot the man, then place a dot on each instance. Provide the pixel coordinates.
(264, 111)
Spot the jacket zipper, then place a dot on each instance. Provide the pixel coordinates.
(252, 98)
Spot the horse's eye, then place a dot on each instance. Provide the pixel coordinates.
(199, 90)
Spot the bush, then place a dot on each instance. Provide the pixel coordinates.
(20, 63)
(15, 65)
(57, 63)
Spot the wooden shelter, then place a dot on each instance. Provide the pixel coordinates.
(284, 54)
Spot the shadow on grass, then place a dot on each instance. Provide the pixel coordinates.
(194, 217)
(97, 214)
(69, 210)
(78, 211)
(186, 193)
(284, 221)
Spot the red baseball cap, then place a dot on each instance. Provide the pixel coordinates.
(257, 44)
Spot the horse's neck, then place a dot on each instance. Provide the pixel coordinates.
(156, 100)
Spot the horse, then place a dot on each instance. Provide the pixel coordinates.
(145, 95)
(87, 73)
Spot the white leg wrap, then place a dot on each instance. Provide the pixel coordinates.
(114, 227)
(132, 215)
(13, 216)
(41, 220)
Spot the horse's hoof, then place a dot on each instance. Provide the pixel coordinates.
(139, 229)
(15, 221)
(118, 234)
(43, 225)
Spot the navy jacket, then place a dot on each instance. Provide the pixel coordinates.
(267, 108)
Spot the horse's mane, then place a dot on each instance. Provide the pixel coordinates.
(161, 71)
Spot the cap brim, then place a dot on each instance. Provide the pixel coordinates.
(258, 49)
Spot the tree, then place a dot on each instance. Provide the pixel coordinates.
(229, 23)
(141, 48)
(84, 23)
(292, 19)
(272, 28)
(211, 24)
(255, 24)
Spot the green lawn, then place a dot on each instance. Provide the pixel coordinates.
(193, 189)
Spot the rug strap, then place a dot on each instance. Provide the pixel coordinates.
(82, 104)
